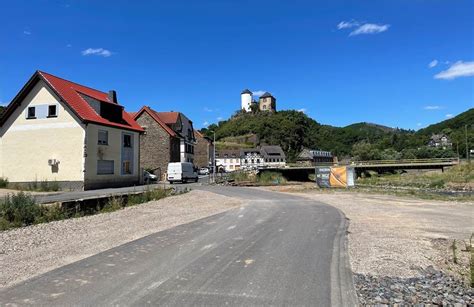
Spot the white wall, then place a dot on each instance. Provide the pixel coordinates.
(112, 151)
(27, 144)
(246, 101)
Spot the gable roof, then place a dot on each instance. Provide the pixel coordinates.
(272, 151)
(168, 118)
(155, 116)
(70, 94)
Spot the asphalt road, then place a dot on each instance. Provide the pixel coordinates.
(277, 250)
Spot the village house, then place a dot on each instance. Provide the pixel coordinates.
(228, 160)
(266, 156)
(61, 131)
(251, 158)
(440, 141)
(169, 137)
(203, 151)
(311, 157)
(273, 156)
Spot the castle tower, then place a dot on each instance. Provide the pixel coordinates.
(246, 100)
(267, 102)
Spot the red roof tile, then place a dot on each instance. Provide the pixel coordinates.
(69, 92)
(154, 115)
(168, 117)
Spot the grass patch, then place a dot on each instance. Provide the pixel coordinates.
(262, 178)
(19, 210)
(3, 182)
(43, 186)
(271, 178)
(422, 194)
(455, 178)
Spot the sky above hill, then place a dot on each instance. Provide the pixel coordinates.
(403, 63)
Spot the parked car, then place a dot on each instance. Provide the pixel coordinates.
(149, 177)
(203, 171)
(181, 172)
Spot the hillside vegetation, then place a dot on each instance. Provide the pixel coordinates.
(294, 130)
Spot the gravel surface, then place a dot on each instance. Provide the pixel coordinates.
(399, 241)
(431, 288)
(30, 251)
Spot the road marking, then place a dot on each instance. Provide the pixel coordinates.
(241, 216)
(207, 246)
(248, 262)
(231, 227)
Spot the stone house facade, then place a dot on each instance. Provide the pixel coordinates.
(203, 151)
(159, 145)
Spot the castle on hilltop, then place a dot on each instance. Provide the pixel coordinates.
(265, 103)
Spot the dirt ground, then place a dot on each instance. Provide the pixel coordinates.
(30, 251)
(395, 236)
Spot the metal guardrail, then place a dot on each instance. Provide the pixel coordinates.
(405, 161)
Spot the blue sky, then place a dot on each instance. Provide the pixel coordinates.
(404, 63)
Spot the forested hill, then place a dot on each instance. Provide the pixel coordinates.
(294, 130)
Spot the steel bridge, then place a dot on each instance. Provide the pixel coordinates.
(295, 172)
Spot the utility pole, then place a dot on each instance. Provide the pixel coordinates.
(467, 145)
(214, 157)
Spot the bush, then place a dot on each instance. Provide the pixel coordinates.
(271, 178)
(18, 210)
(113, 204)
(242, 176)
(3, 182)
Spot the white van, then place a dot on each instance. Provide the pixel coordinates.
(182, 172)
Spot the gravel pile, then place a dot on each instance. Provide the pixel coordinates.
(433, 287)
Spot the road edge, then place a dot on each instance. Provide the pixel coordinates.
(341, 271)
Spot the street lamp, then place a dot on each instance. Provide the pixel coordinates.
(214, 156)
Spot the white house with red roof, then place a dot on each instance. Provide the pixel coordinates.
(58, 130)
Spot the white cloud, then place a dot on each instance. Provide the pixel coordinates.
(220, 118)
(449, 115)
(99, 51)
(419, 124)
(347, 24)
(206, 123)
(432, 107)
(69, 45)
(458, 69)
(369, 28)
(258, 93)
(302, 110)
(26, 32)
(208, 109)
(433, 63)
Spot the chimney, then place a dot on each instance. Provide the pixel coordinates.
(113, 96)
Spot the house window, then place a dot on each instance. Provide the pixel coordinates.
(126, 167)
(103, 138)
(31, 113)
(105, 167)
(127, 140)
(246, 161)
(258, 160)
(264, 107)
(53, 110)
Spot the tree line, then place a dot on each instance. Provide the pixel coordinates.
(294, 130)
